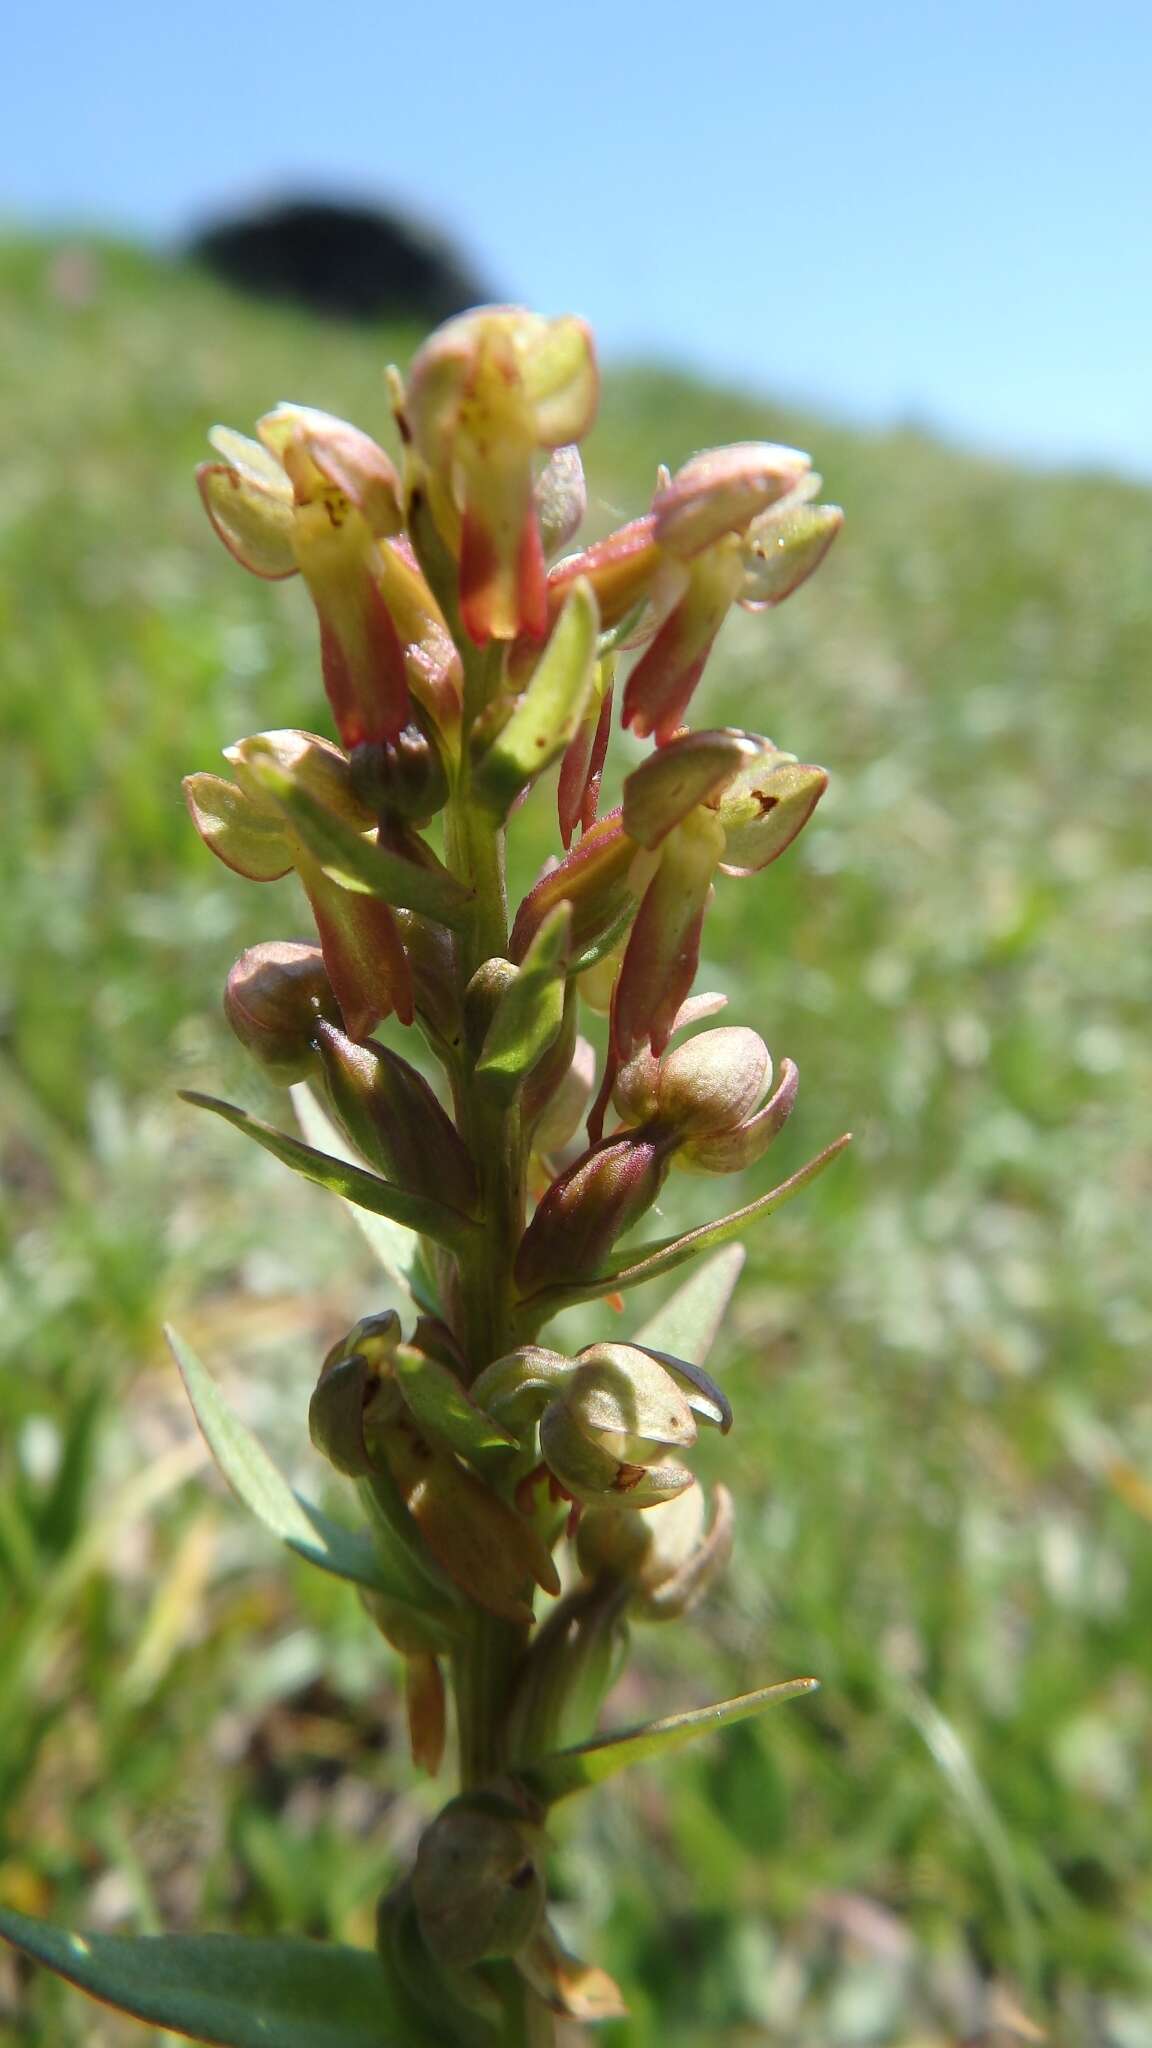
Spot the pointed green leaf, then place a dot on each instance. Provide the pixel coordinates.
(648, 1261)
(550, 710)
(590, 1763)
(394, 1244)
(531, 1010)
(687, 1323)
(353, 1183)
(347, 1553)
(222, 1988)
(354, 862)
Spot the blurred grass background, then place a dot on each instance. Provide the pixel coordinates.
(938, 1357)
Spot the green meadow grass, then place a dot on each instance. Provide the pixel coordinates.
(938, 1357)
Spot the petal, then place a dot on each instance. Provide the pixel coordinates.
(561, 380)
(342, 455)
(663, 951)
(253, 519)
(503, 587)
(694, 766)
(234, 826)
(252, 460)
(763, 810)
(782, 550)
(660, 686)
(620, 569)
(721, 491)
(363, 952)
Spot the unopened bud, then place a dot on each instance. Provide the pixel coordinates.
(393, 1117)
(349, 1377)
(478, 1884)
(401, 778)
(587, 1208)
(275, 997)
(714, 1081)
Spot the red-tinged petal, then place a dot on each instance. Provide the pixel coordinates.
(433, 663)
(663, 951)
(721, 491)
(232, 824)
(596, 877)
(660, 686)
(363, 952)
(341, 455)
(620, 568)
(252, 518)
(503, 588)
(582, 769)
(363, 660)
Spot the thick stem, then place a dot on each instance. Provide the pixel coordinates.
(490, 1651)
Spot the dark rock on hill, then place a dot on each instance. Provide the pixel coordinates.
(356, 262)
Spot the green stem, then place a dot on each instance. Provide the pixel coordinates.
(485, 1664)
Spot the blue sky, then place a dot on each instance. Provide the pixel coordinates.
(937, 213)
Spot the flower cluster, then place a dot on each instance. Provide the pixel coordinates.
(466, 659)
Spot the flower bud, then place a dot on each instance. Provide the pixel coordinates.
(348, 1379)
(482, 999)
(606, 1433)
(587, 1208)
(742, 1144)
(561, 498)
(401, 778)
(392, 1116)
(713, 1082)
(274, 999)
(478, 1884)
(485, 393)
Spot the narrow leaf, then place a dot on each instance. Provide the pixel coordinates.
(357, 863)
(531, 1010)
(255, 1480)
(550, 710)
(687, 1323)
(353, 1183)
(648, 1261)
(223, 1988)
(590, 1763)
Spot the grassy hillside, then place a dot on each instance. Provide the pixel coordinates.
(943, 1450)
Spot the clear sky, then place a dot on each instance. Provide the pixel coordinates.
(938, 212)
